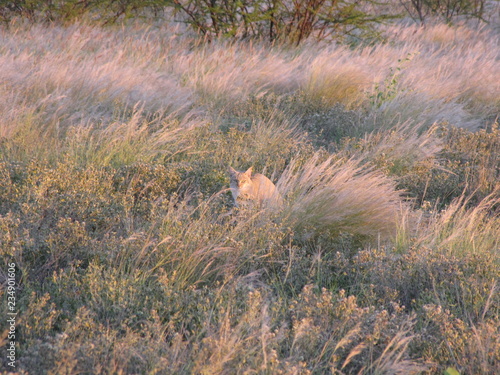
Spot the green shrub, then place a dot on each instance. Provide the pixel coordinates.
(276, 20)
(105, 11)
(446, 10)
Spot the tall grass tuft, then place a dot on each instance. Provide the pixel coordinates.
(465, 231)
(331, 82)
(330, 195)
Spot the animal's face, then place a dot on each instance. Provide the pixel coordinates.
(241, 184)
(241, 180)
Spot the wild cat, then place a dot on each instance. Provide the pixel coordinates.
(247, 187)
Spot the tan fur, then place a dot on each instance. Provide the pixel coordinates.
(247, 187)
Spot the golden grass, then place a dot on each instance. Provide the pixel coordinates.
(339, 196)
(82, 74)
(114, 203)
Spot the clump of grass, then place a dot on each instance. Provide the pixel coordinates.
(336, 196)
(333, 83)
(396, 150)
(134, 140)
(465, 232)
(465, 164)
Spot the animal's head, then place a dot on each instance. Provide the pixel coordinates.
(240, 179)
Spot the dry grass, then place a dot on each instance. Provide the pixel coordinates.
(114, 202)
(333, 80)
(82, 74)
(339, 196)
(459, 231)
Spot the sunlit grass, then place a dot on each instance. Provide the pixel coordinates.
(114, 202)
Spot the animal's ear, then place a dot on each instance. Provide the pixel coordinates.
(232, 171)
(249, 172)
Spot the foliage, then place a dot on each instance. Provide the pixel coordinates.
(278, 20)
(389, 89)
(274, 20)
(447, 10)
(130, 257)
(105, 11)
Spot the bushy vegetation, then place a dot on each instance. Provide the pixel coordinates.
(447, 11)
(292, 22)
(130, 257)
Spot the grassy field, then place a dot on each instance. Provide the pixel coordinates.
(129, 258)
